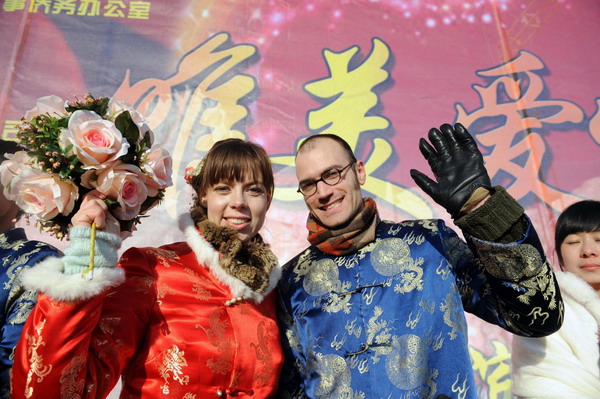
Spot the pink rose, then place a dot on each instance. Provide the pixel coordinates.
(52, 105)
(116, 107)
(124, 183)
(158, 167)
(11, 167)
(44, 195)
(96, 141)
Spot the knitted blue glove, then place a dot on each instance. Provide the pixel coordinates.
(77, 255)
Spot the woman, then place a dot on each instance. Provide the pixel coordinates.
(193, 319)
(566, 363)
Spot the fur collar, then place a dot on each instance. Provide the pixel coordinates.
(580, 291)
(221, 265)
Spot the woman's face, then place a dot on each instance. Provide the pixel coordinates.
(239, 205)
(581, 256)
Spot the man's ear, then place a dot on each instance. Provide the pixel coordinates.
(361, 173)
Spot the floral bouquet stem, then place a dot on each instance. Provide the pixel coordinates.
(90, 268)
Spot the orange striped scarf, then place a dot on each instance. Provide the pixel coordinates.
(349, 238)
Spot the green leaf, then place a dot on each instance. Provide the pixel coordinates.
(111, 203)
(102, 106)
(89, 103)
(128, 128)
(63, 122)
(146, 141)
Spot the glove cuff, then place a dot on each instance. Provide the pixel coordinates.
(494, 218)
(77, 255)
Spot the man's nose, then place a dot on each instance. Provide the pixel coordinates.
(323, 189)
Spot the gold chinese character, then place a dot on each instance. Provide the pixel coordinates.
(66, 6)
(139, 10)
(89, 7)
(13, 5)
(494, 371)
(348, 116)
(114, 8)
(35, 5)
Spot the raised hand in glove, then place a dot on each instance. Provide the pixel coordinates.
(457, 165)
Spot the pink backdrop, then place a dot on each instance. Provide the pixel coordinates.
(521, 75)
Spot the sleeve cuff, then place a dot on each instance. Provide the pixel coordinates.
(497, 216)
(77, 255)
(48, 278)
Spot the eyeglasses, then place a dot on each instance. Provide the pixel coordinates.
(331, 177)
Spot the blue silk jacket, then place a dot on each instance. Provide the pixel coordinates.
(388, 320)
(16, 254)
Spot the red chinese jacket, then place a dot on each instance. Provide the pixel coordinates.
(178, 326)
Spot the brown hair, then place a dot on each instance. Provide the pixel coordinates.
(231, 160)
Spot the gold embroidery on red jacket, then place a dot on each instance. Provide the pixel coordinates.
(217, 337)
(108, 346)
(163, 256)
(70, 387)
(142, 284)
(197, 285)
(162, 291)
(36, 361)
(108, 324)
(245, 308)
(171, 363)
(263, 353)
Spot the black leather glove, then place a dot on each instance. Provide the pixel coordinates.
(457, 165)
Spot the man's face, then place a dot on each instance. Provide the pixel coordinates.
(332, 205)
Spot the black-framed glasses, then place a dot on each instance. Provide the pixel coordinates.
(331, 177)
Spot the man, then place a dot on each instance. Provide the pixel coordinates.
(16, 253)
(375, 309)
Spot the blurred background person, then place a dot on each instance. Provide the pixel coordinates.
(16, 254)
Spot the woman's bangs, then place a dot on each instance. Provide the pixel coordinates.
(230, 170)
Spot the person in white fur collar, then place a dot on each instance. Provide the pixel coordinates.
(566, 363)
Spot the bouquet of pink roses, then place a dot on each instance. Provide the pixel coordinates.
(71, 148)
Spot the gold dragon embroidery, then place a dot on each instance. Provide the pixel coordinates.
(36, 361)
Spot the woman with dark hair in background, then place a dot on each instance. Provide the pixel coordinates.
(192, 319)
(566, 363)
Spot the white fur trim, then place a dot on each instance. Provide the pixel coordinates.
(580, 291)
(563, 364)
(48, 277)
(209, 257)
